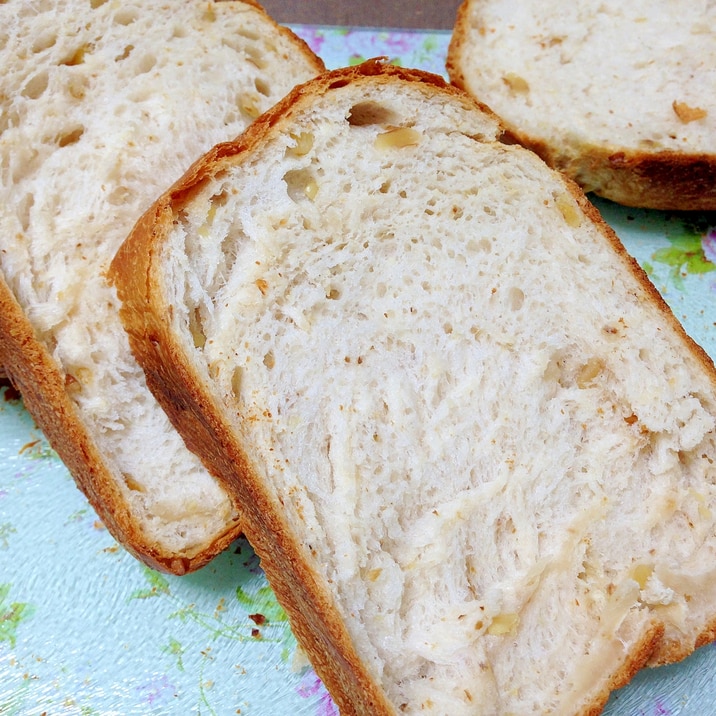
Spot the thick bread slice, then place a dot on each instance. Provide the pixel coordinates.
(102, 106)
(619, 95)
(476, 450)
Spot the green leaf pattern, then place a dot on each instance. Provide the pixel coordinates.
(12, 614)
(686, 253)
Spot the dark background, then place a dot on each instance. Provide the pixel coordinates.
(424, 14)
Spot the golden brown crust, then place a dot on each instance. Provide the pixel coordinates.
(664, 180)
(638, 658)
(708, 635)
(669, 652)
(193, 410)
(32, 370)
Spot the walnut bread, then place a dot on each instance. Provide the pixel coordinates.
(475, 450)
(619, 95)
(102, 106)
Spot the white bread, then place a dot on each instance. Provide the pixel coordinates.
(102, 106)
(476, 450)
(619, 95)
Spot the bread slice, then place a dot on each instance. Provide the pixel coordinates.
(618, 95)
(476, 450)
(102, 106)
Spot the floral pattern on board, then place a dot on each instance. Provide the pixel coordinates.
(691, 250)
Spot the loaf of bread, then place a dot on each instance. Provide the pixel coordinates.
(102, 106)
(476, 450)
(619, 95)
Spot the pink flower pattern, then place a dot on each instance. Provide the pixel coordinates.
(311, 687)
(709, 244)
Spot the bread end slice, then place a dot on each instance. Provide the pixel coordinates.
(616, 96)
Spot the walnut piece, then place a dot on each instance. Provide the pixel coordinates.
(686, 113)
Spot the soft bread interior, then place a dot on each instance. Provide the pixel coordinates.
(525, 58)
(490, 440)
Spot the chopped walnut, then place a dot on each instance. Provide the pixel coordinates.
(686, 113)
(516, 83)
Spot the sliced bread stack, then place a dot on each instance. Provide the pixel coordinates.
(103, 105)
(476, 451)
